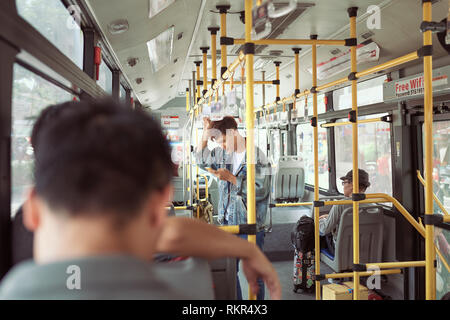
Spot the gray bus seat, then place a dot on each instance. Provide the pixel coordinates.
(191, 277)
(224, 278)
(289, 182)
(178, 189)
(371, 239)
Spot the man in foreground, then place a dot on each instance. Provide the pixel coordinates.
(98, 212)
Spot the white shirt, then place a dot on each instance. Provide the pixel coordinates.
(237, 160)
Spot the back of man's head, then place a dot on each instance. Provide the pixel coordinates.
(99, 158)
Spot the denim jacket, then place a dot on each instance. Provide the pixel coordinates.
(233, 198)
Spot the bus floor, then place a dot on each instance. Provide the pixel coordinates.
(285, 274)
(279, 250)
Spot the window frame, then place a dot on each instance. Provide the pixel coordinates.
(391, 138)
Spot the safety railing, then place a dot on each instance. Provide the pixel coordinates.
(426, 230)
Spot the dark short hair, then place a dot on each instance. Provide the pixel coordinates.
(46, 116)
(227, 123)
(99, 157)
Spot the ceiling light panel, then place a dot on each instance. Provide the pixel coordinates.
(156, 6)
(160, 49)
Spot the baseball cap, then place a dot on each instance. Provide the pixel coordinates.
(362, 175)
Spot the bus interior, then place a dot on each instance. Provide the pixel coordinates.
(182, 60)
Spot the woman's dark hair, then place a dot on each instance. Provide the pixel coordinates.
(227, 123)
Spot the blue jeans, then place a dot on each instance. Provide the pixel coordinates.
(260, 243)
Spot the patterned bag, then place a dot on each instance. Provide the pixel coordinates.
(205, 211)
(304, 269)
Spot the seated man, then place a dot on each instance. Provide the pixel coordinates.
(98, 213)
(329, 223)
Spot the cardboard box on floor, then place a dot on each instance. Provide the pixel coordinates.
(334, 291)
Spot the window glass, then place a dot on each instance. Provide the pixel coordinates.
(374, 153)
(262, 140)
(305, 149)
(441, 164)
(105, 77)
(52, 19)
(122, 94)
(441, 188)
(321, 105)
(275, 146)
(31, 94)
(369, 92)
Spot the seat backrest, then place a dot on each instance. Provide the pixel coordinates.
(289, 182)
(370, 237)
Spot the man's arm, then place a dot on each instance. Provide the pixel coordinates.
(204, 158)
(190, 237)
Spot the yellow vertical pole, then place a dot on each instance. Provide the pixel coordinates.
(430, 254)
(197, 64)
(297, 70)
(196, 167)
(316, 166)
(205, 69)
(184, 146)
(223, 33)
(277, 69)
(213, 31)
(263, 88)
(352, 12)
(249, 55)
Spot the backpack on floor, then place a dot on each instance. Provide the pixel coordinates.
(302, 238)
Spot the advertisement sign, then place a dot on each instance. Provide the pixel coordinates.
(365, 52)
(413, 87)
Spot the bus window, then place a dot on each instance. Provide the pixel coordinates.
(275, 146)
(305, 148)
(441, 164)
(369, 92)
(105, 77)
(31, 94)
(441, 188)
(321, 105)
(374, 148)
(122, 94)
(53, 21)
(262, 140)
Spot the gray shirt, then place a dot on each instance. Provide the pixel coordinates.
(109, 277)
(331, 223)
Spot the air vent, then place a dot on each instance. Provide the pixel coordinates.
(279, 25)
(132, 61)
(335, 51)
(139, 80)
(143, 92)
(367, 34)
(173, 75)
(276, 53)
(118, 26)
(179, 36)
(175, 60)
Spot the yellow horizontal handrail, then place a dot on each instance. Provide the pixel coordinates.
(389, 64)
(217, 84)
(337, 124)
(294, 42)
(362, 274)
(404, 264)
